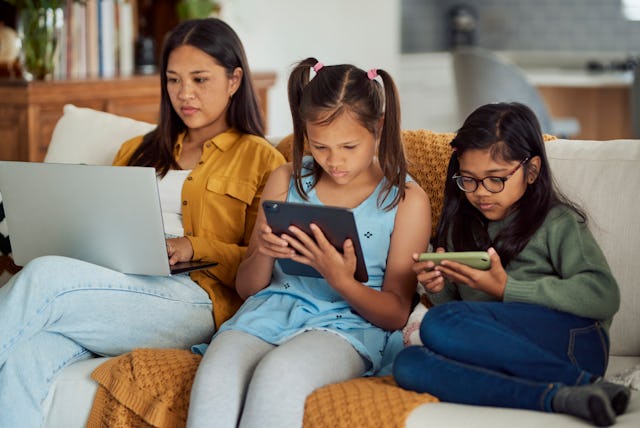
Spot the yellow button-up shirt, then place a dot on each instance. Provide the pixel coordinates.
(220, 199)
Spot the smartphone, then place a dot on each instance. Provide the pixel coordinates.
(475, 259)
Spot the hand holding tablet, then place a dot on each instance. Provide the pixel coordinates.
(336, 223)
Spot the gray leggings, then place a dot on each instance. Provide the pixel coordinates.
(244, 381)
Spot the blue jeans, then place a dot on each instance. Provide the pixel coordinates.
(502, 354)
(57, 311)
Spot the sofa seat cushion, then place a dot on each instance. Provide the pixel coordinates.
(72, 394)
(460, 415)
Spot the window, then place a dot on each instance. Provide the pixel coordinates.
(631, 9)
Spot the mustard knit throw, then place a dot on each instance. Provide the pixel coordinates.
(375, 402)
(151, 387)
(144, 388)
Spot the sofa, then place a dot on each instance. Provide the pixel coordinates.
(602, 176)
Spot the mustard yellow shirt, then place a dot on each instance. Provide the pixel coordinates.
(220, 200)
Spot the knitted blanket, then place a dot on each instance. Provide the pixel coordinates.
(151, 388)
(144, 388)
(375, 402)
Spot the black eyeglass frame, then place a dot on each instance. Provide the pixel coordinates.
(457, 178)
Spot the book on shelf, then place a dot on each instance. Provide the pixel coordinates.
(97, 39)
(107, 37)
(93, 46)
(125, 38)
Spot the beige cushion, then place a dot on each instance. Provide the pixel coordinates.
(84, 135)
(604, 178)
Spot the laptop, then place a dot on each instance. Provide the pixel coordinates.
(106, 215)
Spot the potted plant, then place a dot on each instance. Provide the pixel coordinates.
(191, 9)
(39, 23)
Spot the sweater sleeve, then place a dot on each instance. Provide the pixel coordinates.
(447, 294)
(564, 268)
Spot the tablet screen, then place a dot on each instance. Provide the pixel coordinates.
(337, 224)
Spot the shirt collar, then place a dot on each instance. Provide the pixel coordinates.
(223, 141)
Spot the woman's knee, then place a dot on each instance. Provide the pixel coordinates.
(46, 268)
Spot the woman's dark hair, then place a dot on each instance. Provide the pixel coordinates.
(217, 39)
(511, 132)
(344, 88)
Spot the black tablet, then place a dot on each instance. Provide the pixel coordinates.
(337, 224)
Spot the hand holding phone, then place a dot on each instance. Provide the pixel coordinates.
(474, 259)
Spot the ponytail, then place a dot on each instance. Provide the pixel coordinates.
(339, 88)
(298, 80)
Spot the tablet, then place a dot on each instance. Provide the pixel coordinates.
(337, 224)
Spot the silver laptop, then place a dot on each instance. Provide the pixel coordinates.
(106, 215)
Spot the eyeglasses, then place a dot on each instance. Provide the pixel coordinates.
(492, 184)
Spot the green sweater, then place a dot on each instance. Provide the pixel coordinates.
(561, 267)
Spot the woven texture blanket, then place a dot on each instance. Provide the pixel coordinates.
(375, 402)
(151, 387)
(144, 388)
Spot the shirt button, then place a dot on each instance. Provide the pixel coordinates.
(200, 163)
(208, 145)
(184, 202)
(189, 178)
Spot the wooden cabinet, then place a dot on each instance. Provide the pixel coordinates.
(603, 112)
(29, 111)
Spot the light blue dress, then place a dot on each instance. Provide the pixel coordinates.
(291, 305)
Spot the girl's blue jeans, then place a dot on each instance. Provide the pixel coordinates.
(57, 311)
(502, 354)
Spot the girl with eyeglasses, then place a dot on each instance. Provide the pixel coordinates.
(531, 332)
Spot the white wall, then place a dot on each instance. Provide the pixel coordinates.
(278, 33)
(427, 92)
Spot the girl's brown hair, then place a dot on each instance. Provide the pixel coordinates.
(345, 88)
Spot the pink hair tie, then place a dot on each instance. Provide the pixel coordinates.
(372, 74)
(318, 66)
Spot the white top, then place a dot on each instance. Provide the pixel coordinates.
(170, 190)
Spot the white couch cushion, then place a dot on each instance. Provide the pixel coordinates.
(71, 396)
(84, 135)
(603, 177)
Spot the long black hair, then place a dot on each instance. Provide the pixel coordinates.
(340, 88)
(217, 39)
(511, 132)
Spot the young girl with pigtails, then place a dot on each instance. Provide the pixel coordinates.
(294, 334)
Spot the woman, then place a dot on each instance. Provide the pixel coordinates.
(212, 163)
